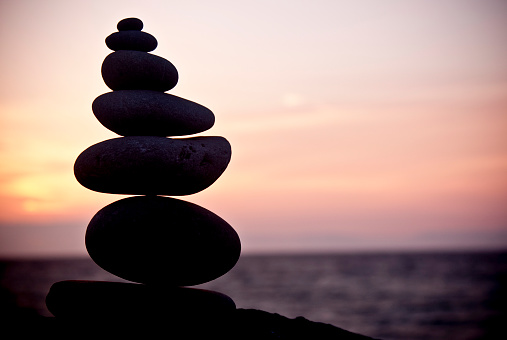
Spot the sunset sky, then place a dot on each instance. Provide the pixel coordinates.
(354, 124)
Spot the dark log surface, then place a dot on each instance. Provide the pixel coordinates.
(243, 324)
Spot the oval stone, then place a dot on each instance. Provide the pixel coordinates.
(135, 70)
(151, 113)
(162, 240)
(148, 165)
(131, 40)
(129, 24)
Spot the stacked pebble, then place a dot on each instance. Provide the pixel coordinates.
(161, 243)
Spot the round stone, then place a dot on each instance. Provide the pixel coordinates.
(162, 240)
(131, 40)
(130, 24)
(151, 113)
(119, 300)
(148, 165)
(135, 70)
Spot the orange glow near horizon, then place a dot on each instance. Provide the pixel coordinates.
(363, 122)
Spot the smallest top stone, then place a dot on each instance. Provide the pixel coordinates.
(130, 24)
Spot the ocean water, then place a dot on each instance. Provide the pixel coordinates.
(390, 296)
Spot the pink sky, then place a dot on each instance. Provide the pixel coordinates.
(355, 125)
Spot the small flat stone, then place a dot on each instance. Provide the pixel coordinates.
(96, 300)
(131, 40)
(130, 24)
(135, 70)
(148, 165)
(151, 113)
(161, 240)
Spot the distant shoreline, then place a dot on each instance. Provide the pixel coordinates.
(302, 253)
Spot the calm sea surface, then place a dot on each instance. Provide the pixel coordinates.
(390, 296)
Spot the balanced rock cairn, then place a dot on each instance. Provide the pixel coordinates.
(161, 243)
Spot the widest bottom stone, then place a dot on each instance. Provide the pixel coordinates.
(102, 300)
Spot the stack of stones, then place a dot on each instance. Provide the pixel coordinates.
(158, 242)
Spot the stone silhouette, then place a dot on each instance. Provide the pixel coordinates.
(159, 242)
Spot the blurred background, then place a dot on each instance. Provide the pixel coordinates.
(357, 127)
(354, 124)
